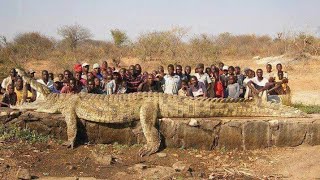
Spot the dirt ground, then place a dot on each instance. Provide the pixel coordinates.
(53, 161)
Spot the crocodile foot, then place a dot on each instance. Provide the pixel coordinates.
(147, 150)
(69, 144)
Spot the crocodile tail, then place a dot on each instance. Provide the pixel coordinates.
(43, 89)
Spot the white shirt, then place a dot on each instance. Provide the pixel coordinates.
(49, 84)
(262, 83)
(6, 82)
(268, 75)
(205, 78)
(172, 83)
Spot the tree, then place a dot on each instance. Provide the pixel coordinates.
(74, 34)
(119, 37)
(32, 45)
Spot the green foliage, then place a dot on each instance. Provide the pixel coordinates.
(119, 37)
(14, 132)
(309, 109)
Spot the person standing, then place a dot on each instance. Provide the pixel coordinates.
(171, 81)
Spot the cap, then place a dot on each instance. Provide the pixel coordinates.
(31, 71)
(96, 65)
(225, 68)
(246, 69)
(85, 64)
(77, 68)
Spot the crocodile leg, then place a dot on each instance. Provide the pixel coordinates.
(148, 119)
(71, 120)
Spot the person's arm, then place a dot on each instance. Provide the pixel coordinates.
(205, 92)
(237, 91)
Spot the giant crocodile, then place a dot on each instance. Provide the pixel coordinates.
(146, 107)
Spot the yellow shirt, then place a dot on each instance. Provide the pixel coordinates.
(20, 95)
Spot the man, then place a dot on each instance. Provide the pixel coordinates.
(71, 87)
(9, 80)
(104, 66)
(135, 78)
(202, 76)
(269, 74)
(240, 78)
(221, 65)
(31, 73)
(150, 85)
(47, 82)
(197, 88)
(180, 74)
(224, 80)
(85, 70)
(258, 83)
(21, 95)
(171, 81)
(91, 88)
(67, 75)
(187, 72)
(96, 71)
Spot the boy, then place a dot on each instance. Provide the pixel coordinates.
(9, 98)
(233, 88)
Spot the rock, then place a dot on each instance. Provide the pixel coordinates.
(230, 137)
(158, 172)
(70, 167)
(181, 166)
(139, 167)
(256, 135)
(102, 159)
(161, 155)
(23, 174)
(193, 123)
(199, 156)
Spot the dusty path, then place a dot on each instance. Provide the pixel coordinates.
(302, 162)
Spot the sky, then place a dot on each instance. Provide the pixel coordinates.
(141, 16)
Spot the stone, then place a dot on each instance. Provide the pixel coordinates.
(161, 155)
(314, 133)
(209, 124)
(181, 166)
(168, 129)
(256, 135)
(193, 123)
(230, 137)
(139, 167)
(290, 134)
(23, 173)
(101, 158)
(158, 172)
(197, 138)
(111, 133)
(39, 127)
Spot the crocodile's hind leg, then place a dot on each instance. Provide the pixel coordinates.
(148, 119)
(71, 120)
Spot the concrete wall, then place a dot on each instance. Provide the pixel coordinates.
(226, 133)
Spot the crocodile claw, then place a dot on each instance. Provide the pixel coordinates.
(69, 144)
(147, 150)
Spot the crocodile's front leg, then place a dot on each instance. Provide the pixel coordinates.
(71, 121)
(148, 119)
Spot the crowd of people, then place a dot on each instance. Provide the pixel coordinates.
(216, 81)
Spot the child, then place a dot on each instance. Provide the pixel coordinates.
(233, 88)
(9, 98)
(184, 89)
(110, 85)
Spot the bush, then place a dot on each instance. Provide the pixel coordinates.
(32, 45)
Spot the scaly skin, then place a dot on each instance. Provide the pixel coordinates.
(148, 107)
